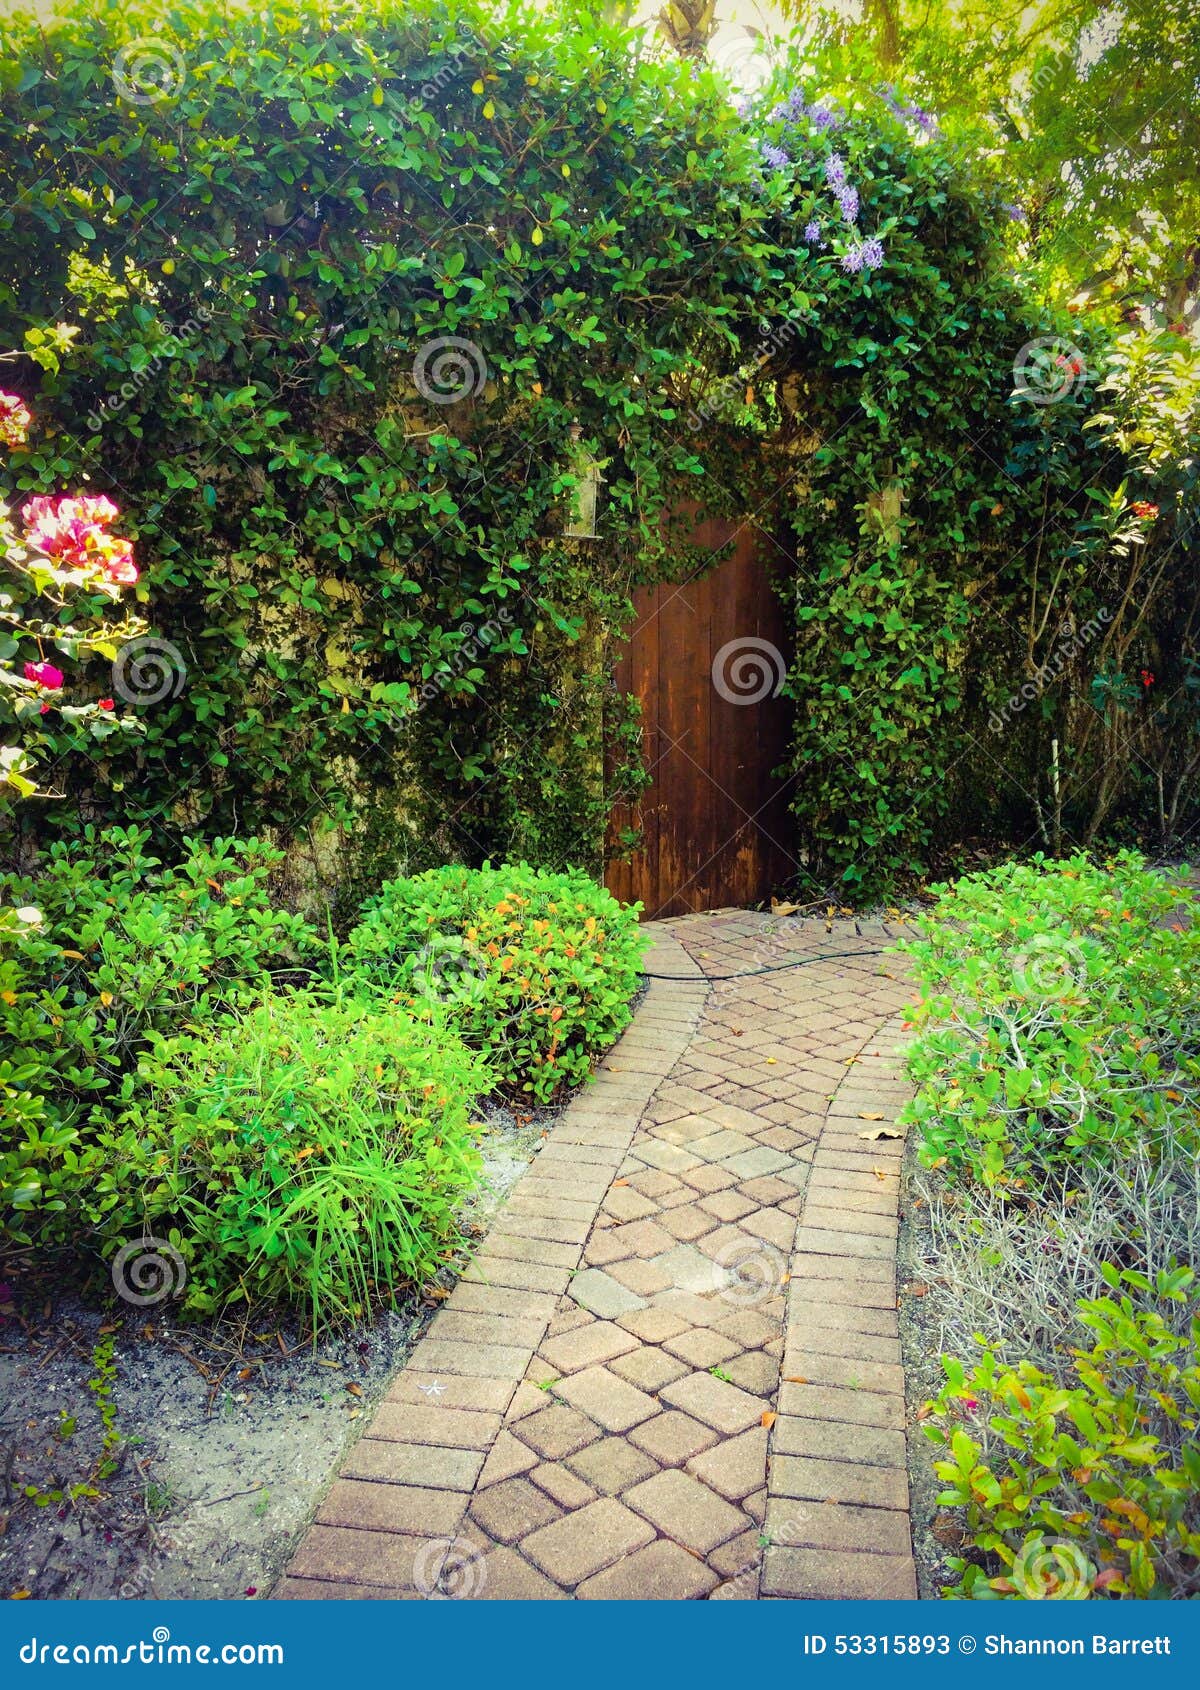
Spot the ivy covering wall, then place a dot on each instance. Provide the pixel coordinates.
(358, 295)
(345, 284)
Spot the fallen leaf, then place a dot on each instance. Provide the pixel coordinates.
(879, 1173)
(620, 1182)
(871, 1115)
(881, 1132)
(21, 1595)
(354, 1390)
(245, 1373)
(768, 1418)
(795, 1379)
(322, 1362)
(917, 1289)
(783, 909)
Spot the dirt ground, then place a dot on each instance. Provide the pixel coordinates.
(222, 1439)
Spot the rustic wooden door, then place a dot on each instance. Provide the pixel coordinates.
(706, 659)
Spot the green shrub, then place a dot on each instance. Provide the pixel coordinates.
(1089, 1488)
(537, 969)
(116, 946)
(300, 1151)
(1059, 1018)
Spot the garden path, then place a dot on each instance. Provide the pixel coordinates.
(673, 1370)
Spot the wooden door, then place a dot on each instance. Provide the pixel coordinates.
(706, 658)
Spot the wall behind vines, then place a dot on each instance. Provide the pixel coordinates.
(344, 284)
(356, 295)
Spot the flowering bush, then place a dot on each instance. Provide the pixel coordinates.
(536, 969)
(58, 556)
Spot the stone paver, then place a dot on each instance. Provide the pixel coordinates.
(672, 1371)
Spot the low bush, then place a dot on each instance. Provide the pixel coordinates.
(112, 946)
(1058, 1019)
(1088, 1486)
(537, 969)
(300, 1151)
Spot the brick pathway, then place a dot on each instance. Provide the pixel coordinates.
(673, 1371)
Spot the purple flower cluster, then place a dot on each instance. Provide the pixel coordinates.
(917, 114)
(774, 156)
(847, 198)
(863, 255)
(1015, 214)
(835, 170)
(812, 233)
(794, 110)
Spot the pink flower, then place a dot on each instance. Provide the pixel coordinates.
(14, 420)
(72, 532)
(46, 675)
(116, 560)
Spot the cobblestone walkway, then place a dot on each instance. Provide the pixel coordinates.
(673, 1371)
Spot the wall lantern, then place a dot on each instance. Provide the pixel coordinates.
(585, 495)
